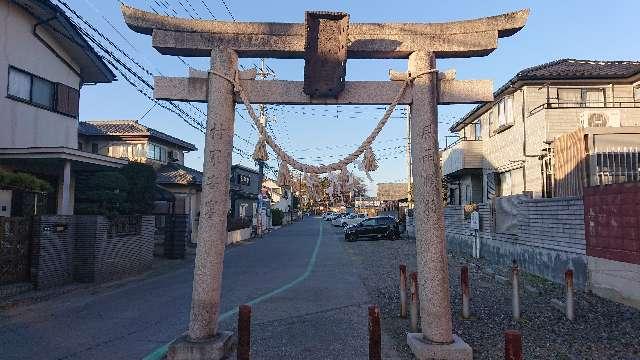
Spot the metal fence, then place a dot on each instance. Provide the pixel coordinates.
(615, 166)
(124, 225)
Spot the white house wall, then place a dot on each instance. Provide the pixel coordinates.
(24, 125)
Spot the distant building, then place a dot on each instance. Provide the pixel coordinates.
(281, 198)
(392, 191)
(245, 187)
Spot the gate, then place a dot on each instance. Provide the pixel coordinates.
(15, 238)
(612, 224)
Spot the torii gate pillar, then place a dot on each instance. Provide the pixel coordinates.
(437, 340)
(203, 340)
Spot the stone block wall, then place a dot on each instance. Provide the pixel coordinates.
(52, 250)
(549, 238)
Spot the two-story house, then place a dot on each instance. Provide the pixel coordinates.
(44, 63)
(506, 147)
(130, 140)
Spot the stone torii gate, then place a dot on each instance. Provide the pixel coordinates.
(326, 40)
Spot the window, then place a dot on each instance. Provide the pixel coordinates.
(157, 152)
(42, 93)
(511, 182)
(501, 115)
(593, 97)
(569, 97)
(19, 84)
(636, 93)
(505, 111)
(80, 146)
(368, 222)
(244, 179)
(94, 148)
(581, 97)
(477, 130)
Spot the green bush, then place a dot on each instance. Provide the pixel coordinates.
(276, 217)
(22, 181)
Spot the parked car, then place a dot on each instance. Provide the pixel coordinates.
(352, 219)
(327, 216)
(378, 227)
(337, 221)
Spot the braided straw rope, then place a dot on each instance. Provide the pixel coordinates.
(319, 169)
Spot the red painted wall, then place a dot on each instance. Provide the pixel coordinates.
(612, 222)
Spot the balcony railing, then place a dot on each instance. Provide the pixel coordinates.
(557, 104)
(463, 154)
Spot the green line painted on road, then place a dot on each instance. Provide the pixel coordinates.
(158, 353)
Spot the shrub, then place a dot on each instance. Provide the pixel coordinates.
(238, 223)
(276, 217)
(23, 181)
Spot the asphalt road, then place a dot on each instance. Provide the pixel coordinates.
(308, 303)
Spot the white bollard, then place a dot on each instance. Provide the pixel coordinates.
(515, 293)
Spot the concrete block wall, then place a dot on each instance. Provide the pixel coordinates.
(52, 251)
(78, 248)
(87, 231)
(117, 257)
(549, 240)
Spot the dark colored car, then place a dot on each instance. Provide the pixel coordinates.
(378, 227)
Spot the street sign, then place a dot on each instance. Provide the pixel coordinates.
(475, 221)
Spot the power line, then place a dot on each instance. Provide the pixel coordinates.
(228, 10)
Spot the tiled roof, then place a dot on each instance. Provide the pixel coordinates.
(572, 69)
(173, 173)
(128, 128)
(566, 69)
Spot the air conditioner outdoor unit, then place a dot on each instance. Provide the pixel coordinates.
(600, 119)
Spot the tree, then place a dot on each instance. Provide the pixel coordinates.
(127, 191)
(102, 193)
(22, 181)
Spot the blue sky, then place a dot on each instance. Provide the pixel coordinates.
(556, 29)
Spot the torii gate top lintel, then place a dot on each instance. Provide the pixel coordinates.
(189, 37)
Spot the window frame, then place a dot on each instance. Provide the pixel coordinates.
(54, 86)
(158, 150)
(583, 102)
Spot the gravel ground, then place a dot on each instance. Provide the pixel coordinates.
(602, 330)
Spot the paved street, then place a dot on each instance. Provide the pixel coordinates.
(308, 304)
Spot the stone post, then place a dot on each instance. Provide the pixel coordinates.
(437, 340)
(65, 207)
(207, 277)
(203, 340)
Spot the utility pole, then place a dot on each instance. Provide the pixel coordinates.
(262, 74)
(409, 172)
